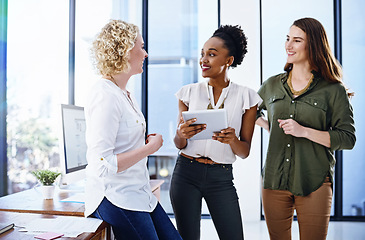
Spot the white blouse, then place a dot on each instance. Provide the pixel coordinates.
(114, 124)
(236, 99)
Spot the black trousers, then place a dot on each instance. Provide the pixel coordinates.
(192, 181)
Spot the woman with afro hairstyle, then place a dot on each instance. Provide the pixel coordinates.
(204, 167)
(117, 189)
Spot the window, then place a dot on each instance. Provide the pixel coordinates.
(37, 72)
(353, 58)
(177, 31)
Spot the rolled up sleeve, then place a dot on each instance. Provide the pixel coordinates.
(102, 127)
(342, 132)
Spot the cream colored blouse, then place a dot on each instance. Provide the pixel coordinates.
(236, 98)
(115, 124)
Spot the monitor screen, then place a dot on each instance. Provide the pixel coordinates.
(73, 143)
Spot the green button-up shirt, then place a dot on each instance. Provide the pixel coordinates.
(298, 164)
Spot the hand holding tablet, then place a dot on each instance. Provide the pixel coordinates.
(215, 120)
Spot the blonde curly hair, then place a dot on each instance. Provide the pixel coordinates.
(110, 50)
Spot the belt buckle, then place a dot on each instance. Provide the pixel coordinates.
(208, 161)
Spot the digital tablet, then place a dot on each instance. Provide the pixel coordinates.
(216, 120)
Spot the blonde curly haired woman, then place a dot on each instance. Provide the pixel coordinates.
(117, 189)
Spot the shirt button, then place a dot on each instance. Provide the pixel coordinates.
(288, 145)
(291, 115)
(101, 159)
(315, 104)
(292, 101)
(136, 121)
(287, 159)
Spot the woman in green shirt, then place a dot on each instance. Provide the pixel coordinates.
(309, 117)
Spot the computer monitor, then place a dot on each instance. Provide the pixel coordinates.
(73, 146)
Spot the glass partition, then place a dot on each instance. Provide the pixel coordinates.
(37, 71)
(177, 31)
(353, 59)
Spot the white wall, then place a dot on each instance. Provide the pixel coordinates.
(247, 172)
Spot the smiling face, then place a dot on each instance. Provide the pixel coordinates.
(214, 58)
(296, 46)
(137, 56)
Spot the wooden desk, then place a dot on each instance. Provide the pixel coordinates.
(102, 232)
(156, 187)
(31, 201)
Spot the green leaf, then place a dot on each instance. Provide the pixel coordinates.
(46, 177)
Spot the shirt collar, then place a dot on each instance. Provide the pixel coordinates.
(222, 97)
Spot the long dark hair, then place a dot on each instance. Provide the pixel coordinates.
(321, 58)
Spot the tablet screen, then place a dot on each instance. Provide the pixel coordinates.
(215, 119)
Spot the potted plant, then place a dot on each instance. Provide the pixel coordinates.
(47, 179)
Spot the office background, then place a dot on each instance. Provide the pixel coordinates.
(45, 61)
